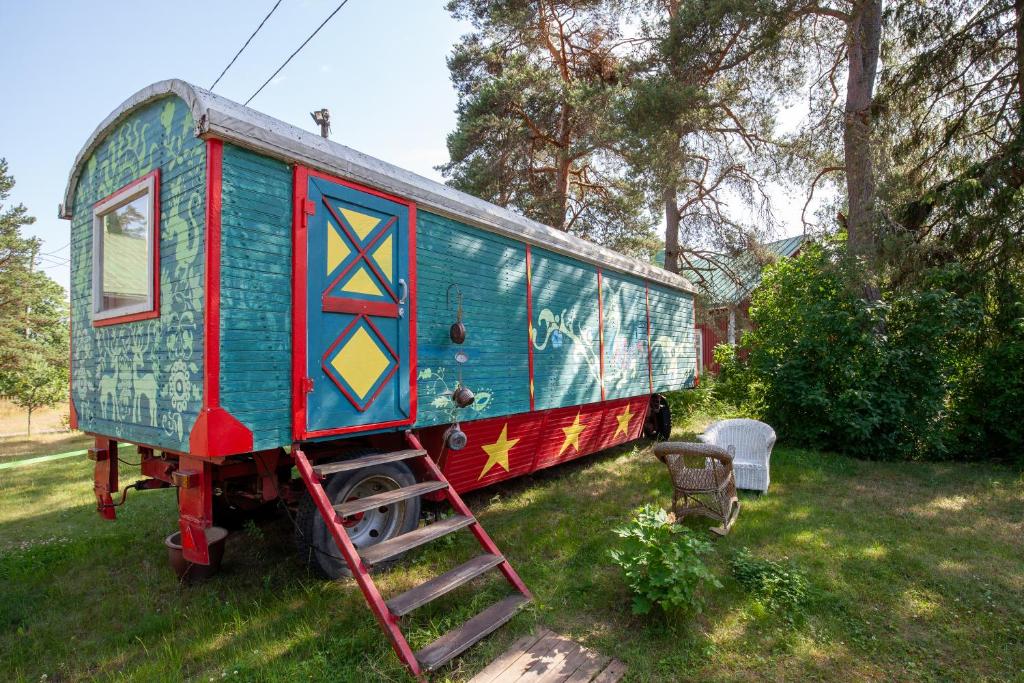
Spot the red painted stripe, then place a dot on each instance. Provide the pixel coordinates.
(216, 432)
(130, 318)
(300, 185)
(413, 358)
(335, 304)
(600, 327)
(211, 275)
(529, 319)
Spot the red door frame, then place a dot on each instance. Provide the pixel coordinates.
(302, 209)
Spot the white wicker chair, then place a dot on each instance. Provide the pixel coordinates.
(751, 444)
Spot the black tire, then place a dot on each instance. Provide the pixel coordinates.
(659, 420)
(312, 537)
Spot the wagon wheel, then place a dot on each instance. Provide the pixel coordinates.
(315, 543)
(659, 419)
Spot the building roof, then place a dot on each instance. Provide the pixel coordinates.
(731, 279)
(221, 118)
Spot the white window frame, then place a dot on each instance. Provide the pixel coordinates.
(699, 347)
(146, 185)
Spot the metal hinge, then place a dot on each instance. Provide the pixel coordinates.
(307, 384)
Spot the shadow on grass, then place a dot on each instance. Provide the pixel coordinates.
(907, 561)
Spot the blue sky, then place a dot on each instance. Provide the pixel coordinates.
(379, 66)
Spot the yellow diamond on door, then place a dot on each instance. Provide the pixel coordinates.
(337, 250)
(360, 222)
(361, 282)
(383, 256)
(361, 362)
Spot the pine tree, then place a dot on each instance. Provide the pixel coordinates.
(699, 120)
(33, 315)
(536, 82)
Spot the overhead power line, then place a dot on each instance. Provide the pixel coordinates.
(299, 49)
(242, 49)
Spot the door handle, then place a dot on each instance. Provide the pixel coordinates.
(403, 290)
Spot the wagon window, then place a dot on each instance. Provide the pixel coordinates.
(125, 239)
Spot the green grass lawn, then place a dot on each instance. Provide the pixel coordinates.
(917, 572)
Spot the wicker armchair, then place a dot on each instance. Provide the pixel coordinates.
(753, 442)
(702, 480)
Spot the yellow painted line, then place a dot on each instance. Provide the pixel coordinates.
(42, 458)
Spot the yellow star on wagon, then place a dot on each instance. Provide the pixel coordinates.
(497, 452)
(624, 419)
(572, 435)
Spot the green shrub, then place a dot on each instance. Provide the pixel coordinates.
(987, 402)
(735, 386)
(661, 562)
(837, 372)
(781, 588)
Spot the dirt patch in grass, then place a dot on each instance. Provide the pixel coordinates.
(14, 420)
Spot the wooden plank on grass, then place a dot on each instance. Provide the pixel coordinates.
(550, 658)
(523, 663)
(612, 673)
(518, 648)
(583, 666)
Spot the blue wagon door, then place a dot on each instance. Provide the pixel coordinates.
(359, 322)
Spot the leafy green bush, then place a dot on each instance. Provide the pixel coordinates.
(986, 405)
(735, 386)
(781, 588)
(706, 399)
(837, 372)
(662, 562)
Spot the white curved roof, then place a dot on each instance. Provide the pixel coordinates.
(219, 117)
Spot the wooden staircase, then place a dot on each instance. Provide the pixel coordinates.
(389, 612)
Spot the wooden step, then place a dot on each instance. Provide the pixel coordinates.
(388, 497)
(393, 547)
(445, 583)
(457, 641)
(367, 461)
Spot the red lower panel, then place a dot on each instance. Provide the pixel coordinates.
(195, 508)
(512, 445)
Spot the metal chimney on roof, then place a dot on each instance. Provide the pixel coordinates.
(323, 119)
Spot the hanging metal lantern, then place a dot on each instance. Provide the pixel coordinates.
(463, 397)
(457, 332)
(455, 438)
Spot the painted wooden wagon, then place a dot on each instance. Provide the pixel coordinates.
(248, 297)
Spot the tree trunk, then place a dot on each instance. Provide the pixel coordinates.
(29, 432)
(671, 230)
(864, 36)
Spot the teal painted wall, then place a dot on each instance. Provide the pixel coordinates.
(141, 381)
(255, 314)
(625, 336)
(490, 270)
(566, 346)
(673, 354)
